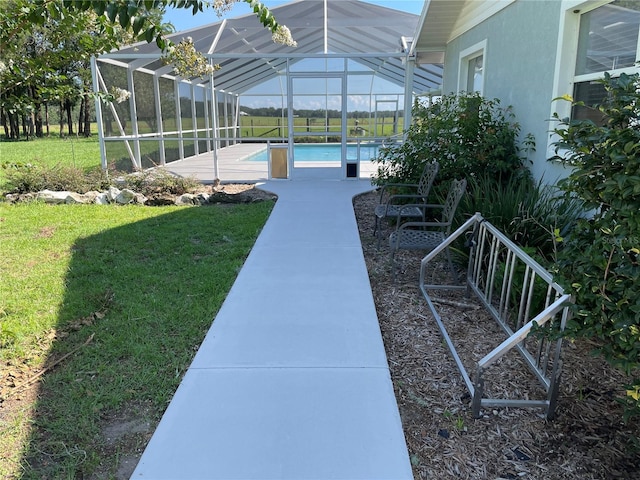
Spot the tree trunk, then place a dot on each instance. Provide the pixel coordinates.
(87, 116)
(46, 118)
(25, 122)
(15, 126)
(81, 119)
(61, 119)
(37, 116)
(67, 107)
(3, 120)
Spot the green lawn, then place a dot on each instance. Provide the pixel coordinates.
(79, 151)
(131, 291)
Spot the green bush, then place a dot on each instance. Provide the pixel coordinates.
(467, 134)
(34, 177)
(601, 260)
(31, 178)
(149, 182)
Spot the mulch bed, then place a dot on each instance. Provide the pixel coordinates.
(587, 439)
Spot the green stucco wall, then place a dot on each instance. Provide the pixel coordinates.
(519, 65)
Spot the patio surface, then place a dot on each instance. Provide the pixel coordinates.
(233, 166)
(291, 381)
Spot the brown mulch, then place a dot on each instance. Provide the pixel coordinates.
(587, 439)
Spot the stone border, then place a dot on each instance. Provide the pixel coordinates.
(115, 196)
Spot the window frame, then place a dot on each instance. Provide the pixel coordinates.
(465, 58)
(565, 78)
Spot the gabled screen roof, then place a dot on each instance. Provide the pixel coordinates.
(366, 33)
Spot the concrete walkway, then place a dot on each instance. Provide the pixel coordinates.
(292, 380)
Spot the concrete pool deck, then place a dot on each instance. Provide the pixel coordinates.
(234, 168)
(292, 380)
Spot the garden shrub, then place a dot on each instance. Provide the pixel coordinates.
(600, 262)
(149, 182)
(467, 134)
(34, 177)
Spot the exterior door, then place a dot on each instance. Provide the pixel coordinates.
(318, 119)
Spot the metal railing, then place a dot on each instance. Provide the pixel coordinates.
(521, 296)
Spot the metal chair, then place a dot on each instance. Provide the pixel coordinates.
(427, 235)
(398, 205)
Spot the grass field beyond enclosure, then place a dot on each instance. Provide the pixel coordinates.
(79, 151)
(112, 302)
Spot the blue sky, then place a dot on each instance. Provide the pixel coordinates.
(183, 19)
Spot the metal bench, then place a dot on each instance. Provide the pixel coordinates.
(426, 235)
(394, 205)
(522, 297)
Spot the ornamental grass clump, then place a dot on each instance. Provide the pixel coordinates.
(534, 215)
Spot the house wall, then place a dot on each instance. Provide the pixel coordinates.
(519, 63)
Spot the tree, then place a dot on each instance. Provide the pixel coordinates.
(48, 62)
(66, 33)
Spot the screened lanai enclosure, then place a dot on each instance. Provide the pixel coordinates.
(331, 101)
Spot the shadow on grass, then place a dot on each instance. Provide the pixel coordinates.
(138, 301)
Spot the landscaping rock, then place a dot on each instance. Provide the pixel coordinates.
(90, 197)
(125, 197)
(221, 197)
(140, 199)
(240, 193)
(102, 199)
(186, 199)
(112, 193)
(52, 197)
(20, 197)
(202, 198)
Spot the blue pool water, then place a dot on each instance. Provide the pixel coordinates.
(323, 152)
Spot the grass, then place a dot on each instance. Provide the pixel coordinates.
(130, 292)
(79, 151)
(255, 126)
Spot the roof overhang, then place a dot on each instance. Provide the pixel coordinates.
(435, 29)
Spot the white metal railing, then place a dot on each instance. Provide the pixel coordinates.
(521, 296)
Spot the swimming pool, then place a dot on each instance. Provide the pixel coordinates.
(323, 152)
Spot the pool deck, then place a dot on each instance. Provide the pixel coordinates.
(234, 168)
(291, 381)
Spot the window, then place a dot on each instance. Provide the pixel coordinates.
(475, 74)
(472, 69)
(607, 42)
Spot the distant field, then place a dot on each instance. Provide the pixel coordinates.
(85, 152)
(253, 126)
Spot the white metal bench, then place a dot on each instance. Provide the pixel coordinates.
(519, 294)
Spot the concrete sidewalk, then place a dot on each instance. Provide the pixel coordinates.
(292, 380)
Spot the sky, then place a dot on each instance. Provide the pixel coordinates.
(183, 19)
